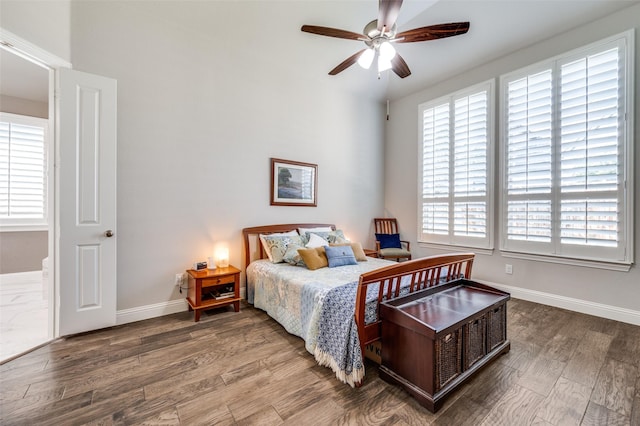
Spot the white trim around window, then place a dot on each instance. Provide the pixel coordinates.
(23, 172)
(455, 168)
(566, 127)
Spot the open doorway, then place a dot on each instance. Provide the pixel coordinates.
(26, 314)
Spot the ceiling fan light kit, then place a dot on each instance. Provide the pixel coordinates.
(387, 51)
(383, 64)
(366, 58)
(378, 36)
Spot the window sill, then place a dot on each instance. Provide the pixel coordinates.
(450, 247)
(24, 228)
(598, 264)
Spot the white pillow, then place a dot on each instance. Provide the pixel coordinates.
(281, 234)
(303, 231)
(316, 241)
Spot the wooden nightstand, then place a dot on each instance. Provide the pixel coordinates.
(370, 252)
(207, 289)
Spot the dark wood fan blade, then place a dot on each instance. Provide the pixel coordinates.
(346, 63)
(400, 67)
(388, 11)
(432, 32)
(332, 32)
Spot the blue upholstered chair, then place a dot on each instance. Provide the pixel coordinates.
(388, 242)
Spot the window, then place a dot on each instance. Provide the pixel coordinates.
(455, 163)
(567, 153)
(23, 143)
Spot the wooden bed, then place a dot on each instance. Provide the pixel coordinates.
(422, 273)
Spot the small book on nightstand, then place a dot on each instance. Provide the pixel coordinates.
(225, 295)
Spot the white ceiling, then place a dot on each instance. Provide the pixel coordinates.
(497, 28)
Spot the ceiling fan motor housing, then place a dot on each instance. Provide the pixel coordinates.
(376, 38)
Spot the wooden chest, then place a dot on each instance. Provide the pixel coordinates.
(435, 339)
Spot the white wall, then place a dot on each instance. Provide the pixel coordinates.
(200, 113)
(44, 23)
(22, 251)
(204, 103)
(24, 106)
(593, 286)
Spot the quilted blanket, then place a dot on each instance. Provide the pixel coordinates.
(319, 307)
(338, 344)
(295, 297)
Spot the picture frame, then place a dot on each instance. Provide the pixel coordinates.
(293, 183)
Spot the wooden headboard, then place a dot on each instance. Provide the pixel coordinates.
(252, 247)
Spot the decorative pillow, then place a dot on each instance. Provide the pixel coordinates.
(292, 257)
(276, 246)
(315, 241)
(303, 231)
(340, 239)
(358, 251)
(389, 240)
(314, 258)
(340, 256)
(337, 236)
(280, 234)
(331, 236)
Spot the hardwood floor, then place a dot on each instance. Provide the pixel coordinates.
(564, 368)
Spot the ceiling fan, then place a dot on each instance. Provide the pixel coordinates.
(380, 33)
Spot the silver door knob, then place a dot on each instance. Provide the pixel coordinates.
(108, 233)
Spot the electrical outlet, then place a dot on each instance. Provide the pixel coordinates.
(508, 269)
(178, 281)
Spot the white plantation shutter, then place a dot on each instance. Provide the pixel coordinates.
(589, 121)
(470, 129)
(528, 157)
(455, 146)
(565, 156)
(22, 170)
(435, 170)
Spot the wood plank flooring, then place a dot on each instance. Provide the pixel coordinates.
(243, 368)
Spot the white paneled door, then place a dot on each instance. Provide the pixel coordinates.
(86, 188)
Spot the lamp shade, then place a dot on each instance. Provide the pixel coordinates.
(366, 58)
(383, 63)
(222, 257)
(387, 51)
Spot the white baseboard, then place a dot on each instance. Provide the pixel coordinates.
(150, 311)
(140, 313)
(583, 306)
(590, 308)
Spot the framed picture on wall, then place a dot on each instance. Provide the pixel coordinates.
(293, 183)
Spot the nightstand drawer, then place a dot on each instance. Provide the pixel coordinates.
(208, 282)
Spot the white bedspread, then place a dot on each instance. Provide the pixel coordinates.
(293, 295)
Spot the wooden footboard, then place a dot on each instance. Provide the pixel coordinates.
(422, 273)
